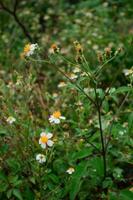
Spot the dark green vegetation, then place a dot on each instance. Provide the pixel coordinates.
(89, 82)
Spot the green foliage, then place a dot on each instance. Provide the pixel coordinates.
(90, 82)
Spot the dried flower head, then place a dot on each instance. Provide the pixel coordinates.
(78, 47)
(54, 48)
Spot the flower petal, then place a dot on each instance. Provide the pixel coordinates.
(50, 143)
(43, 146)
(43, 134)
(49, 135)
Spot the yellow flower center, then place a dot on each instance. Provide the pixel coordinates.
(27, 48)
(44, 139)
(57, 114)
(54, 46)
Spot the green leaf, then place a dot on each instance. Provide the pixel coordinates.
(76, 182)
(9, 193)
(122, 90)
(126, 195)
(54, 178)
(17, 193)
(83, 153)
(97, 164)
(130, 123)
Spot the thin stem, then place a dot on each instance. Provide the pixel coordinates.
(16, 18)
(101, 133)
(64, 74)
(91, 100)
(101, 67)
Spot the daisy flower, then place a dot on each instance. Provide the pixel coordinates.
(70, 170)
(29, 49)
(56, 117)
(11, 120)
(45, 141)
(41, 158)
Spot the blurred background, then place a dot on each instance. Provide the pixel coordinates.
(96, 24)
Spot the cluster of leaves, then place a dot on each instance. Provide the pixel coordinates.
(30, 93)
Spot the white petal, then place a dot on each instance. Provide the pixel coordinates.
(62, 117)
(43, 134)
(56, 121)
(40, 142)
(50, 143)
(43, 146)
(49, 135)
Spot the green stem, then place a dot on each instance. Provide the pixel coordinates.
(101, 134)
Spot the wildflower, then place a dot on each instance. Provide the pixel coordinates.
(95, 47)
(72, 76)
(79, 103)
(131, 189)
(61, 84)
(11, 120)
(29, 49)
(76, 70)
(100, 57)
(55, 95)
(70, 170)
(41, 158)
(128, 72)
(45, 140)
(108, 51)
(54, 48)
(56, 117)
(78, 47)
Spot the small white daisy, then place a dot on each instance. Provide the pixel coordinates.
(56, 117)
(10, 120)
(29, 49)
(45, 141)
(41, 158)
(70, 170)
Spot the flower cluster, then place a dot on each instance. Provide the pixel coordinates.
(45, 139)
(29, 50)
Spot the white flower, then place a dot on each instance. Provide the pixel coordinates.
(61, 84)
(45, 141)
(128, 72)
(56, 117)
(70, 170)
(95, 47)
(72, 76)
(11, 120)
(41, 158)
(76, 70)
(29, 49)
